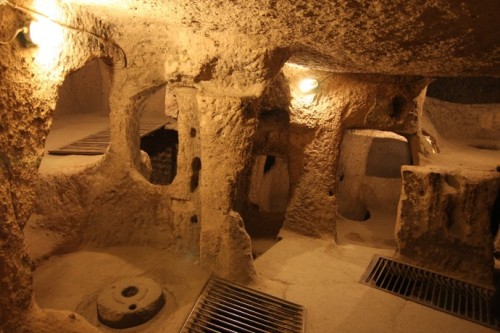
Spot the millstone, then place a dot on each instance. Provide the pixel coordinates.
(130, 302)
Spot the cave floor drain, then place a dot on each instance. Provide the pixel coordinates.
(456, 297)
(227, 307)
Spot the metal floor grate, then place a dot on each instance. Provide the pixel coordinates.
(227, 307)
(435, 290)
(97, 144)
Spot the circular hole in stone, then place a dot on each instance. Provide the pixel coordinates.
(330, 193)
(120, 312)
(130, 291)
(194, 219)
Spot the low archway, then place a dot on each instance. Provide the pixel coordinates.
(79, 133)
(159, 136)
(369, 186)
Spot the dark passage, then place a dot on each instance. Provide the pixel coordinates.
(161, 146)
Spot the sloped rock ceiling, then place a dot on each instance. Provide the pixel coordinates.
(228, 50)
(424, 37)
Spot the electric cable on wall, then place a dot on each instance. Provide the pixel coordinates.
(32, 11)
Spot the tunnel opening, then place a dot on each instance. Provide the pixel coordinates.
(161, 147)
(159, 136)
(79, 134)
(369, 186)
(268, 198)
(460, 121)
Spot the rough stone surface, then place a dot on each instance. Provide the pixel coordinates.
(27, 101)
(317, 123)
(444, 220)
(219, 59)
(468, 90)
(430, 38)
(130, 302)
(227, 127)
(369, 173)
(478, 122)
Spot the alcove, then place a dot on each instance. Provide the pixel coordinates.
(79, 134)
(369, 185)
(159, 136)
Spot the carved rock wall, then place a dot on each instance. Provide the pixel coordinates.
(444, 220)
(28, 93)
(317, 124)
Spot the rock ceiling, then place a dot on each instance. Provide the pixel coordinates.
(424, 37)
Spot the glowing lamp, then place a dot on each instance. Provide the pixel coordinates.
(308, 85)
(45, 33)
(49, 38)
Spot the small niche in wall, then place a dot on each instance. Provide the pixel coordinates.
(399, 107)
(195, 174)
(79, 134)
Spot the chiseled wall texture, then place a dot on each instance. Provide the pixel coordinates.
(220, 65)
(317, 125)
(27, 100)
(444, 220)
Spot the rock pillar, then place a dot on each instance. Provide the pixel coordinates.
(227, 128)
(444, 220)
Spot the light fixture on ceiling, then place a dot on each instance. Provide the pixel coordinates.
(308, 85)
(48, 28)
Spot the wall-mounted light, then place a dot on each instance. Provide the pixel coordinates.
(308, 85)
(45, 33)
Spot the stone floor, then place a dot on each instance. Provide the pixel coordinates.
(325, 279)
(312, 272)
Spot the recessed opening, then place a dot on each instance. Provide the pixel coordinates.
(370, 164)
(159, 137)
(161, 146)
(195, 173)
(466, 90)
(268, 198)
(192, 132)
(132, 307)
(399, 106)
(130, 291)
(459, 121)
(270, 160)
(79, 134)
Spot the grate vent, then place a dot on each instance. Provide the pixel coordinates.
(227, 307)
(435, 290)
(97, 144)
